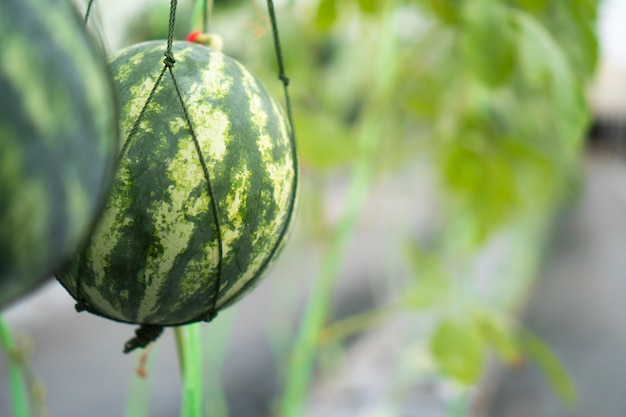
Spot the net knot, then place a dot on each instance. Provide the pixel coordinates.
(169, 60)
(144, 335)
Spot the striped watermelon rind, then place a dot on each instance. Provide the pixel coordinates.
(58, 139)
(154, 256)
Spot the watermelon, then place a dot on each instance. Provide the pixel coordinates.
(204, 194)
(58, 139)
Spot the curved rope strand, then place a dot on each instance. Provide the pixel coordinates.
(88, 12)
(210, 315)
(169, 62)
(135, 129)
(282, 76)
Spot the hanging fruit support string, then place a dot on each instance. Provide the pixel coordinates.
(282, 76)
(88, 12)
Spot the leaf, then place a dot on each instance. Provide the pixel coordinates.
(431, 283)
(370, 6)
(463, 164)
(545, 65)
(448, 11)
(541, 58)
(551, 366)
(326, 14)
(499, 332)
(537, 176)
(532, 5)
(458, 349)
(575, 29)
(482, 180)
(488, 41)
(324, 141)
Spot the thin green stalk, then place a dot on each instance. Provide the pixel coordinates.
(15, 372)
(356, 323)
(300, 367)
(218, 337)
(316, 313)
(202, 15)
(189, 345)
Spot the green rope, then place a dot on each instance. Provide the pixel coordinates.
(282, 76)
(88, 11)
(218, 230)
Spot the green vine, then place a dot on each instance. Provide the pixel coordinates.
(189, 347)
(15, 370)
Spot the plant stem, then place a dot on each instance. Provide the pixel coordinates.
(14, 370)
(202, 14)
(301, 362)
(218, 336)
(315, 315)
(356, 323)
(189, 345)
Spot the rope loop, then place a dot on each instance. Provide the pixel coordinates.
(144, 335)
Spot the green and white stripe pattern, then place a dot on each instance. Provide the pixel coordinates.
(154, 256)
(58, 139)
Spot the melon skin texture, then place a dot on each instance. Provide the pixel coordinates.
(153, 258)
(58, 140)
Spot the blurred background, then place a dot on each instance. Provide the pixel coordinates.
(460, 234)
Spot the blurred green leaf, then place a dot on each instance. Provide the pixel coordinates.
(370, 6)
(464, 167)
(431, 285)
(326, 14)
(497, 330)
(448, 11)
(488, 41)
(484, 183)
(324, 141)
(551, 366)
(459, 349)
(542, 60)
(544, 65)
(427, 73)
(532, 5)
(574, 29)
